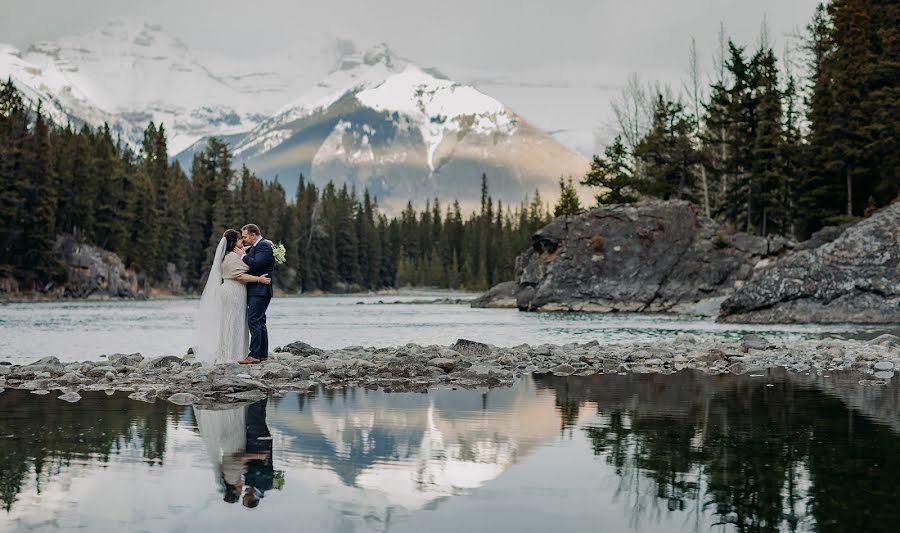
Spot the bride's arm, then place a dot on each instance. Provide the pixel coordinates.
(247, 278)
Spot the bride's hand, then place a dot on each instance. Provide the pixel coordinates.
(264, 279)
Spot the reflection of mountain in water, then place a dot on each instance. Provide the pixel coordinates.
(403, 452)
(761, 458)
(687, 450)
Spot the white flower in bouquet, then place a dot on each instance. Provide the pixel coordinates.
(278, 251)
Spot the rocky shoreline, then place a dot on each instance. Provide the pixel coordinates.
(663, 257)
(469, 364)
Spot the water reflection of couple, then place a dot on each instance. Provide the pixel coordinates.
(240, 448)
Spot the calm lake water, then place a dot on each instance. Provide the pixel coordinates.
(643, 453)
(77, 330)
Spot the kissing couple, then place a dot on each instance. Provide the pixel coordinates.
(231, 321)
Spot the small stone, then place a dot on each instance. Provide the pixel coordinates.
(301, 349)
(886, 340)
(563, 370)
(70, 397)
(160, 362)
(754, 342)
(686, 338)
(40, 392)
(148, 396)
(884, 365)
(250, 395)
(101, 371)
(183, 398)
(110, 376)
(884, 374)
(467, 347)
(128, 359)
(445, 364)
(737, 368)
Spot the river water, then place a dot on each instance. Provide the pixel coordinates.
(644, 453)
(77, 330)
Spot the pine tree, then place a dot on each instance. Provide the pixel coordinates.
(13, 138)
(568, 203)
(613, 175)
(669, 161)
(39, 261)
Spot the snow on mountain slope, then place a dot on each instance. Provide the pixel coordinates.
(131, 69)
(62, 102)
(370, 118)
(404, 132)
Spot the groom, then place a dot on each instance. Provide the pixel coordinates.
(259, 257)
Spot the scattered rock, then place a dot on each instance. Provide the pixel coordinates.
(301, 348)
(886, 340)
(250, 395)
(563, 370)
(467, 347)
(148, 396)
(182, 398)
(130, 359)
(70, 397)
(754, 342)
(467, 364)
(444, 363)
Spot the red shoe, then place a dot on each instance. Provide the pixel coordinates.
(248, 361)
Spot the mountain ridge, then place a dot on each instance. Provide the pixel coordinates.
(374, 119)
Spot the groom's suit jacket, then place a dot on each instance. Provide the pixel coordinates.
(261, 260)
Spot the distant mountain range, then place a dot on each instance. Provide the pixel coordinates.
(368, 118)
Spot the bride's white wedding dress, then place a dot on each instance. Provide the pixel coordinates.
(224, 435)
(222, 334)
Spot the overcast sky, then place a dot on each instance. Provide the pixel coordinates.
(483, 34)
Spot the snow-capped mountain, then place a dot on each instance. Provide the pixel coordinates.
(130, 71)
(403, 132)
(324, 109)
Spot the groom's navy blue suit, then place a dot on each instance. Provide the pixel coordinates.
(261, 261)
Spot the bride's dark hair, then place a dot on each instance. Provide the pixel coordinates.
(231, 238)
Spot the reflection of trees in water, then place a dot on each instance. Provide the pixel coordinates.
(759, 458)
(43, 435)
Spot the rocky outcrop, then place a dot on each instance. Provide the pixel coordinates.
(500, 296)
(649, 257)
(853, 277)
(91, 271)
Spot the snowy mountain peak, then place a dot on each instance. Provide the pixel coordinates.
(122, 36)
(380, 53)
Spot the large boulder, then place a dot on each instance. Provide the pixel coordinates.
(91, 271)
(648, 257)
(853, 277)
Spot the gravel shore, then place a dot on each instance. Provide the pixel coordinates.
(300, 367)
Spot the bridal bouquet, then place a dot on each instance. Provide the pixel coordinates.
(278, 251)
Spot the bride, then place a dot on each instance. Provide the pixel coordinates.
(222, 334)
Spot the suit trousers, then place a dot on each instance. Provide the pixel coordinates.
(256, 320)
